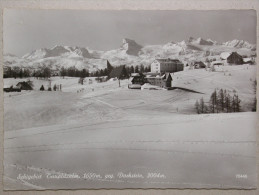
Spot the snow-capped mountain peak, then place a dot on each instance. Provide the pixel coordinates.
(129, 53)
(200, 41)
(36, 54)
(58, 51)
(131, 47)
(239, 44)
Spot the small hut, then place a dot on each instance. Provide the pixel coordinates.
(199, 64)
(137, 78)
(161, 81)
(24, 86)
(235, 58)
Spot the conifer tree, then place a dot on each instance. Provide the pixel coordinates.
(234, 106)
(42, 88)
(55, 87)
(197, 107)
(221, 100)
(142, 69)
(228, 103)
(238, 107)
(109, 68)
(63, 72)
(213, 102)
(136, 69)
(131, 69)
(124, 73)
(202, 106)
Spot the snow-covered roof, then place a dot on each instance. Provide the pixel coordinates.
(135, 74)
(131, 78)
(224, 55)
(217, 62)
(149, 86)
(247, 59)
(199, 62)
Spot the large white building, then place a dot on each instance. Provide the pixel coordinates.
(166, 65)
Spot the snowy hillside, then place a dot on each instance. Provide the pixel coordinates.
(131, 131)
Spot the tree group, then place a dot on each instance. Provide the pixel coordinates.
(16, 72)
(220, 102)
(46, 72)
(128, 70)
(73, 72)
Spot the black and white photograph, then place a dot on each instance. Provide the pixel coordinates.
(129, 99)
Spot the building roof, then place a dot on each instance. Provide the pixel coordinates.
(168, 60)
(135, 74)
(225, 55)
(199, 62)
(24, 85)
(217, 62)
(236, 54)
(150, 74)
(166, 76)
(247, 59)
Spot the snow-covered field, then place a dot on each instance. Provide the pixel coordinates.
(105, 136)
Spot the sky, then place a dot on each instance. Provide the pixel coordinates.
(27, 30)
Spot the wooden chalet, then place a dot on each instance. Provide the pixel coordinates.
(24, 86)
(138, 78)
(164, 81)
(235, 58)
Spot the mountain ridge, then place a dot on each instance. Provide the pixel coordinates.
(129, 53)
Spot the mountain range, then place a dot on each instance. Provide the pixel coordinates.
(129, 53)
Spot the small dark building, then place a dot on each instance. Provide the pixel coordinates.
(161, 81)
(235, 58)
(24, 86)
(138, 78)
(119, 72)
(199, 64)
(12, 89)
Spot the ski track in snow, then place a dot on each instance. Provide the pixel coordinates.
(110, 122)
